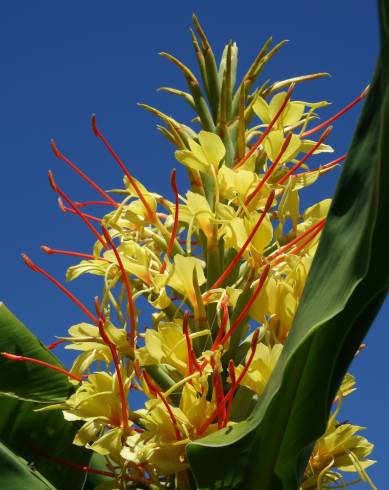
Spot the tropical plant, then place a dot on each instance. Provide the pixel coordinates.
(256, 307)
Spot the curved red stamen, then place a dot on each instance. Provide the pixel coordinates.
(246, 308)
(116, 362)
(94, 203)
(223, 324)
(154, 390)
(53, 345)
(36, 268)
(70, 464)
(52, 251)
(14, 357)
(237, 257)
(93, 184)
(65, 209)
(324, 167)
(254, 343)
(308, 155)
(127, 285)
(192, 361)
(290, 244)
(309, 239)
(270, 170)
(220, 403)
(337, 115)
(74, 207)
(313, 232)
(233, 388)
(268, 129)
(231, 371)
(175, 223)
(139, 193)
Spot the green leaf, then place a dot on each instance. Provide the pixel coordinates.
(16, 474)
(40, 438)
(347, 283)
(23, 379)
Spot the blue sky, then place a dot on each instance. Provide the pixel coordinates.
(63, 61)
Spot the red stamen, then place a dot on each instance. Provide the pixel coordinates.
(308, 155)
(268, 129)
(52, 251)
(116, 362)
(237, 257)
(289, 245)
(324, 167)
(254, 343)
(231, 370)
(220, 403)
(127, 285)
(139, 193)
(53, 345)
(14, 357)
(173, 183)
(309, 239)
(73, 206)
(231, 391)
(223, 324)
(70, 464)
(243, 313)
(154, 390)
(337, 115)
(36, 268)
(317, 230)
(94, 203)
(65, 209)
(95, 186)
(192, 361)
(270, 170)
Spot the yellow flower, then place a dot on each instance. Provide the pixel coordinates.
(159, 445)
(338, 449)
(209, 152)
(97, 401)
(261, 367)
(86, 337)
(280, 296)
(166, 345)
(290, 116)
(180, 277)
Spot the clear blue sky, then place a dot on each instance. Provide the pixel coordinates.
(62, 61)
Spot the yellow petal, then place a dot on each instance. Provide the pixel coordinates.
(261, 109)
(213, 148)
